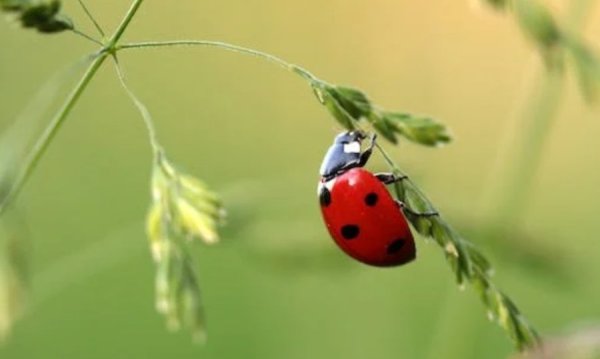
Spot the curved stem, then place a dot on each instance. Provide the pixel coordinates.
(225, 46)
(86, 36)
(47, 136)
(467, 263)
(50, 132)
(140, 106)
(538, 119)
(91, 17)
(124, 24)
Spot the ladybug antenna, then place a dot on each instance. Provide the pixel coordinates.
(358, 135)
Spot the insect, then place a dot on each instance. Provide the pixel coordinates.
(363, 218)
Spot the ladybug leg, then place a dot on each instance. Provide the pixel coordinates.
(410, 212)
(364, 157)
(389, 178)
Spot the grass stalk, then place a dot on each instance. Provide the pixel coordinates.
(52, 129)
(539, 117)
(537, 120)
(225, 46)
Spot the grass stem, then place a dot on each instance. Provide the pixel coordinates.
(92, 18)
(41, 145)
(140, 106)
(86, 36)
(225, 46)
(537, 120)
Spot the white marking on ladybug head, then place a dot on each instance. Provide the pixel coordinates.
(352, 147)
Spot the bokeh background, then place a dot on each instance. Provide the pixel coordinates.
(277, 287)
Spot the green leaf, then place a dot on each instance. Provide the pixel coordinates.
(383, 127)
(352, 100)
(58, 23)
(176, 282)
(193, 210)
(464, 260)
(183, 209)
(418, 204)
(37, 14)
(14, 5)
(478, 259)
(482, 286)
(537, 22)
(422, 130)
(338, 112)
(497, 4)
(587, 66)
(439, 232)
(43, 16)
(347, 105)
(415, 201)
(8, 5)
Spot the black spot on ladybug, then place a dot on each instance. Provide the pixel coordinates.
(350, 231)
(371, 199)
(325, 197)
(395, 246)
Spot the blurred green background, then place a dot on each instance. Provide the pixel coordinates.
(277, 287)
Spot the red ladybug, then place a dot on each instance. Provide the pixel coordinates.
(360, 214)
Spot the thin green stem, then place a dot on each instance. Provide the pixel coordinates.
(52, 129)
(229, 47)
(140, 106)
(538, 119)
(86, 36)
(465, 260)
(112, 43)
(388, 159)
(91, 17)
(49, 133)
(468, 264)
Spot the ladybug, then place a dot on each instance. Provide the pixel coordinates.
(361, 216)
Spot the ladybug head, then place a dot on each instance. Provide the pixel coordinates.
(349, 137)
(344, 151)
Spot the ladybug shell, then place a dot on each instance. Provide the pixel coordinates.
(364, 220)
